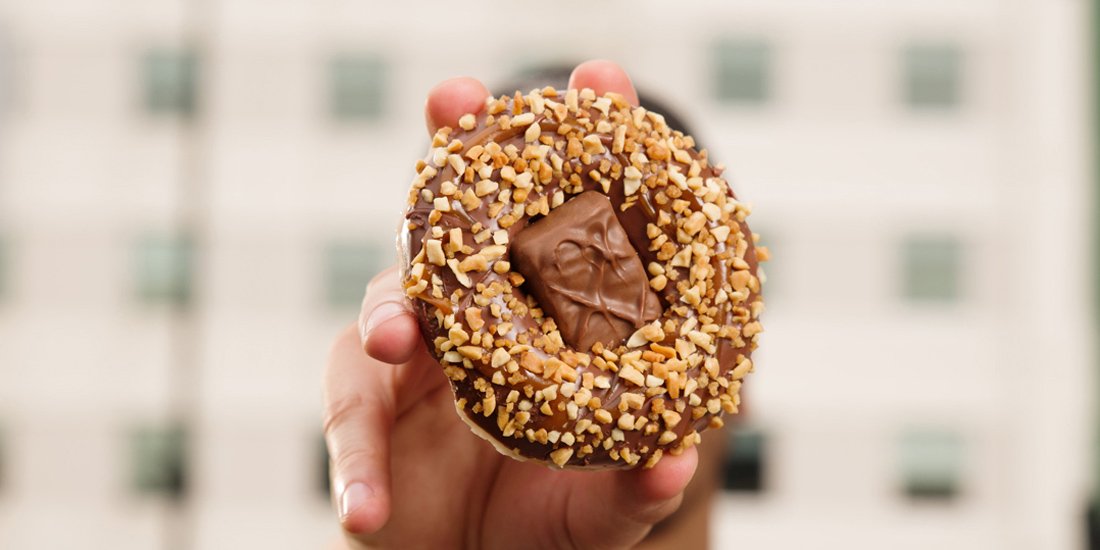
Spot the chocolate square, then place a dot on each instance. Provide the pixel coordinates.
(580, 266)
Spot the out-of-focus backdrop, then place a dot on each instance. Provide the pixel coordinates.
(193, 194)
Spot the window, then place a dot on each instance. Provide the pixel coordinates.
(932, 75)
(357, 86)
(741, 71)
(158, 461)
(931, 266)
(1092, 522)
(170, 81)
(930, 463)
(349, 266)
(163, 269)
(743, 470)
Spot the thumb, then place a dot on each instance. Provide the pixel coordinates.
(604, 76)
(624, 506)
(387, 328)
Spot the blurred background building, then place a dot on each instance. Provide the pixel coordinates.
(193, 194)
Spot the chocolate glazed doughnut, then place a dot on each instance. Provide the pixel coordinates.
(585, 277)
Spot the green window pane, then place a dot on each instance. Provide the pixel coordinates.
(743, 470)
(930, 463)
(349, 266)
(170, 81)
(742, 71)
(932, 75)
(357, 85)
(164, 268)
(931, 266)
(158, 460)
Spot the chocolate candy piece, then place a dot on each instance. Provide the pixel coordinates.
(580, 265)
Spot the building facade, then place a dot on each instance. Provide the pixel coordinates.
(193, 194)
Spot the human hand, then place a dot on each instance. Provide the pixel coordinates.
(408, 472)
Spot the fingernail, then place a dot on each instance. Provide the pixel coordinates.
(380, 314)
(354, 497)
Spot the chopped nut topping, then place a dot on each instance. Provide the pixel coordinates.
(743, 368)
(626, 422)
(500, 357)
(457, 164)
(632, 400)
(485, 187)
(471, 352)
(460, 275)
(630, 373)
(532, 134)
(671, 418)
(474, 263)
(561, 456)
(712, 211)
(523, 120)
(435, 252)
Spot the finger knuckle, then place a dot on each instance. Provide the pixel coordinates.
(349, 457)
(343, 410)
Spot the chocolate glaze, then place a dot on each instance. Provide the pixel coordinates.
(633, 221)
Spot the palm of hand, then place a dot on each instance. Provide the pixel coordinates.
(478, 498)
(409, 473)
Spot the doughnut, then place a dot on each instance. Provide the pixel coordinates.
(585, 278)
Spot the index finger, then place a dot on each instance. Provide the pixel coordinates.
(604, 76)
(387, 328)
(359, 414)
(451, 99)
